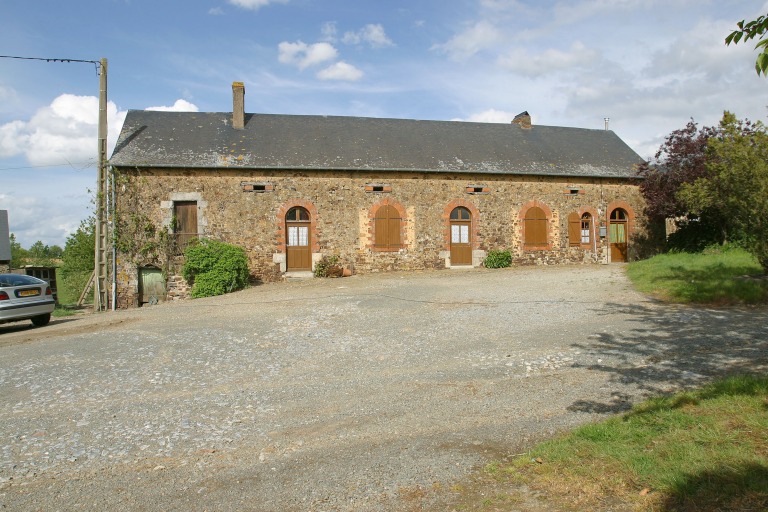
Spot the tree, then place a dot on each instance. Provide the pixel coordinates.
(19, 255)
(79, 249)
(750, 30)
(737, 182)
(680, 159)
(77, 262)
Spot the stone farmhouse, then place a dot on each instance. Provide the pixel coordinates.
(380, 194)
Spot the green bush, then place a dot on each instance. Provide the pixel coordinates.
(498, 259)
(214, 268)
(328, 267)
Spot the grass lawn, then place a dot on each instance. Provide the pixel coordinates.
(696, 451)
(730, 276)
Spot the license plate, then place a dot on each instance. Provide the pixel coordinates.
(29, 293)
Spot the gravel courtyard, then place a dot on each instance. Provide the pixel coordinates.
(370, 393)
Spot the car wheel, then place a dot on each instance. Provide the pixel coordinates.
(41, 320)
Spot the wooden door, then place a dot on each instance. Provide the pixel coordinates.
(298, 244)
(618, 235)
(185, 222)
(461, 240)
(151, 285)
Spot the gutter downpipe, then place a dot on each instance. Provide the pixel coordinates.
(113, 196)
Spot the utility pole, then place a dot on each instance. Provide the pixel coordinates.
(100, 271)
(100, 295)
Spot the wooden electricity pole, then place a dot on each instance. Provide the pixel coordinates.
(100, 284)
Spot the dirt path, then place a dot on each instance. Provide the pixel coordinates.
(366, 393)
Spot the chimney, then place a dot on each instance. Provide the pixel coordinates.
(238, 105)
(523, 119)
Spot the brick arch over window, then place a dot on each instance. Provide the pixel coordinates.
(527, 246)
(372, 216)
(474, 232)
(280, 222)
(575, 238)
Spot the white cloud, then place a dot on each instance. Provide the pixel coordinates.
(178, 106)
(13, 138)
(490, 116)
(328, 30)
(303, 55)
(66, 131)
(501, 5)
(33, 218)
(255, 5)
(548, 61)
(374, 35)
(480, 36)
(7, 95)
(340, 71)
(571, 12)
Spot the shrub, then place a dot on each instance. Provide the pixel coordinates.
(498, 259)
(328, 267)
(214, 268)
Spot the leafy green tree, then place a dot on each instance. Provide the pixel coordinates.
(77, 262)
(19, 255)
(682, 159)
(79, 249)
(749, 30)
(737, 184)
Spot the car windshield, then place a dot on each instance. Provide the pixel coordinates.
(18, 280)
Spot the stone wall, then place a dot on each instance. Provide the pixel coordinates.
(248, 209)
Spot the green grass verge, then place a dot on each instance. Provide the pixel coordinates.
(730, 276)
(705, 451)
(70, 285)
(62, 311)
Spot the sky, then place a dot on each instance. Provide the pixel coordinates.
(650, 66)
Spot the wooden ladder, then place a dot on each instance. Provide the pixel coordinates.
(87, 289)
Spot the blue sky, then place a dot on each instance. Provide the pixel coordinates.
(648, 65)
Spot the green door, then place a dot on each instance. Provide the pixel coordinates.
(151, 285)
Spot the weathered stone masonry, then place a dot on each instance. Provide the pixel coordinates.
(342, 204)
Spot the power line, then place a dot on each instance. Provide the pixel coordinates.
(54, 59)
(78, 166)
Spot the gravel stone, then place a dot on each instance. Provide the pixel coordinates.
(375, 392)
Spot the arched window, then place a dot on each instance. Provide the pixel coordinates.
(386, 228)
(297, 214)
(535, 228)
(460, 213)
(586, 229)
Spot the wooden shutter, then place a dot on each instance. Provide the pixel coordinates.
(574, 229)
(387, 228)
(185, 213)
(535, 227)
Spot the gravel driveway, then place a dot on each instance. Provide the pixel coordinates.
(366, 393)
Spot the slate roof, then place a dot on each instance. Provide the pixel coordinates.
(300, 142)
